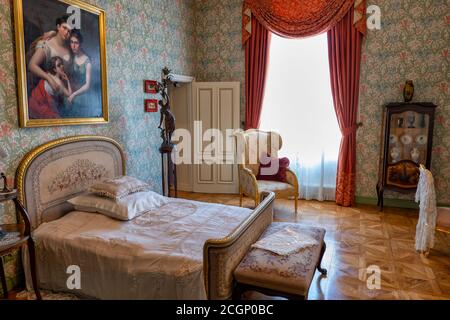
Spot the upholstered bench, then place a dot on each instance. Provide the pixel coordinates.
(286, 276)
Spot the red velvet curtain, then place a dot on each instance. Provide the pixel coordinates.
(297, 18)
(344, 52)
(256, 61)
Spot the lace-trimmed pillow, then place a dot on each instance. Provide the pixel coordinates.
(127, 208)
(119, 187)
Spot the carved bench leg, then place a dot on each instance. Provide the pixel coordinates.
(237, 292)
(319, 265)
(240, 288)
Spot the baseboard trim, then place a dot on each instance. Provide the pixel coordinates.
(396, 203)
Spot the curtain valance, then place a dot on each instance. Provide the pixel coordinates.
(300, 18)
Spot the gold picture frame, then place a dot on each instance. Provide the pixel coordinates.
(49, 62)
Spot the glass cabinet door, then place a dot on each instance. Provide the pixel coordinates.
(408, 141)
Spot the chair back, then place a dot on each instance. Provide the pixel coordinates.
(253, 143)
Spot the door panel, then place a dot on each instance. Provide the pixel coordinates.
(205, 114)
(216, 105)
(206, 174)
(226, 173)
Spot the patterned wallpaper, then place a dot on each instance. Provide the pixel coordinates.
(142, 37)
(220, 56)
(413, 43)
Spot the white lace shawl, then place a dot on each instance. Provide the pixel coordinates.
(426, 195)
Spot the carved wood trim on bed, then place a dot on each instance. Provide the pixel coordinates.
(221, 256)
(52, 173)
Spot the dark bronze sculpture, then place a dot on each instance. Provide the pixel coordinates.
(167, 118)
(167, 127)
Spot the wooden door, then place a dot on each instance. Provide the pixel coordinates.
(216, 105)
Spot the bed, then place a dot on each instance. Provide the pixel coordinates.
(183, 250)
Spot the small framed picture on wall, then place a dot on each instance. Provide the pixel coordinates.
(151, 105)
(150, 86)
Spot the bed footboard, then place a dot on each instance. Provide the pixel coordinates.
(221, 256)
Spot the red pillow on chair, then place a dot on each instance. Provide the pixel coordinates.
(266, 162)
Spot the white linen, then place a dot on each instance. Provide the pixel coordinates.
(118, 187)
(126, 208)
(285, 241)
(158, 255)
(426, 225)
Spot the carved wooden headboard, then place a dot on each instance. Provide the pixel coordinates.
(58, 170)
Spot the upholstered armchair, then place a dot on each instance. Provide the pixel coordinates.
(250, 145)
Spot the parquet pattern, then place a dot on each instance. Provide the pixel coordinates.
(360, 237)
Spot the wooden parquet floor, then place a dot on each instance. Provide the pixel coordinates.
(360, 237)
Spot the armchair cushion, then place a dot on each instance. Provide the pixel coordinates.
(280, 175)
(275, 186)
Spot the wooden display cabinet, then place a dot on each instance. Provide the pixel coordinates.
(407, 143)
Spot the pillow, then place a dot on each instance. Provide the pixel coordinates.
(119, 187)
(266, 162)
(126, 208)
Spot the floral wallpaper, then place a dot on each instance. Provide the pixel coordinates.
(220, 55)
(413, 43)
(142, 37)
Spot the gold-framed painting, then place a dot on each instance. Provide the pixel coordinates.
(61, 63)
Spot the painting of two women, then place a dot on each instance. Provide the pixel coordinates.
(63, 61)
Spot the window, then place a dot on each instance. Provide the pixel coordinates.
(299, 105)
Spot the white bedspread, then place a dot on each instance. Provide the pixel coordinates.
(158, 255)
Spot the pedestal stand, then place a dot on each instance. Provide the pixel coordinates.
(168, 169)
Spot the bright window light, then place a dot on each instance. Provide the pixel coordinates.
(298, 104)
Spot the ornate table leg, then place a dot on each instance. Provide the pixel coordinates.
(34, 277)
(30, 243)
(380, 193)
(2, 274)
(175, 179)
(163, 176)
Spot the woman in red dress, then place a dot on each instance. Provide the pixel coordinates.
(44, 101)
